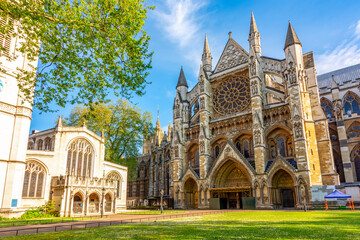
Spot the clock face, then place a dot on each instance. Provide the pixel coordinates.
(232, 95)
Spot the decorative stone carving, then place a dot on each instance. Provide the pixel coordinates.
(176, 150)
(231, 57)
(252, 66)
(202, 147)
(257, 137)
(254, 88)
(298, 130)
(291, 74)
(201, 83)
(202, 103)
(232, 95)
(338, 111)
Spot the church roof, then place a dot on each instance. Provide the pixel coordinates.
(291, 37)
(345, 77)
(182, 79)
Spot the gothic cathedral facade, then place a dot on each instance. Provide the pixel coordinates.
(255, 130)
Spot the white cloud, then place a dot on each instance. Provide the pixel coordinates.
(182, 20)
(346, 54)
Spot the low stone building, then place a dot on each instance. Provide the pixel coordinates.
(66, 165)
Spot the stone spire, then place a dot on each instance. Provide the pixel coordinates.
(291, 37)
(59, 122)
(182, 79)
(206, 56)
(254, 35)
(169, 132)
(253, 27)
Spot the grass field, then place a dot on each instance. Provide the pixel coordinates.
(20, 222)
(240, 225)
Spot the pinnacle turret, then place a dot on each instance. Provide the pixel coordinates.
(291, 37)
(182, 79)
(254, 35)
(206, 56)
(253, 27)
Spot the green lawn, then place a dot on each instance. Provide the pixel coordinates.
(20, 222)
(240, 225)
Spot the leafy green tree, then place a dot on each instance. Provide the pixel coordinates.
(123, 126)
(87, 49)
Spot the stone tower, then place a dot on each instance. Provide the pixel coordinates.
(15, 117)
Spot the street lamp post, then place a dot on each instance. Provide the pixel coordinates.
(161, 200)
(102, 202)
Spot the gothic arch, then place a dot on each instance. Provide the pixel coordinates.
(80, 157)
(353, 131)
(34, 179)
(350, 103)
(213, 176)
(281, 166)
(327, 108)
(279, 141)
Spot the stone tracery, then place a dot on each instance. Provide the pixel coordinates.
(232, 95)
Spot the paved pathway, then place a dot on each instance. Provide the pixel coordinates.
(115, 219)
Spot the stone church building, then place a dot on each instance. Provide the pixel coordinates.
(63, 164)
(257, 130)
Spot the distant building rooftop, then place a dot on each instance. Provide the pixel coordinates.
(345, 77)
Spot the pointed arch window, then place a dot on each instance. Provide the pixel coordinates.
(34, 180)
(47, 145)
(246, 149)
(281, 146)
(5, 39)
(114, 176)
(327, 108)
(197, 160)
(351, 104)
(354, 130)
(80, 158)
(217, 151)
(39, 144)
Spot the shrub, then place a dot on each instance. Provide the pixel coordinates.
(44, 211)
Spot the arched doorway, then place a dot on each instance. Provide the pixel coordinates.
(283, 190)
(191, 194)
(77, 204)
(108, 202)
(230, 185)
(94, 203)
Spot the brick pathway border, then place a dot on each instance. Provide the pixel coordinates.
(116, 220)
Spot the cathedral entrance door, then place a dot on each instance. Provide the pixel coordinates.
(191, 194)
(287, 198)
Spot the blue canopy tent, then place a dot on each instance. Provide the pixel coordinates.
(338, 194)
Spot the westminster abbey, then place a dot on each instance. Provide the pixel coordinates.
(255, 132)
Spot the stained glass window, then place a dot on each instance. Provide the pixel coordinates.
(79, 159)
(34, 180)
(351, 104)
(354, 130)
(232, 95)
(327, 108)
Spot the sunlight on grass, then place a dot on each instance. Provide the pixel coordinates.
(236, 225)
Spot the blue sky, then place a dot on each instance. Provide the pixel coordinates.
(329, 28)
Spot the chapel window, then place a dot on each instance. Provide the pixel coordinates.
(197, 160)
(356, 157)
(80, 158)
(39, 144)
(246, 149)
(327, 108)
(351, 105)
(217, 151)
(354, 130)
(114, 176)
(30, 145)
(281, 146)
(47, 145)
(238, 146)
(34, 180)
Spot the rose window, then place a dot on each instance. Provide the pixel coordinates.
(232, 95)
